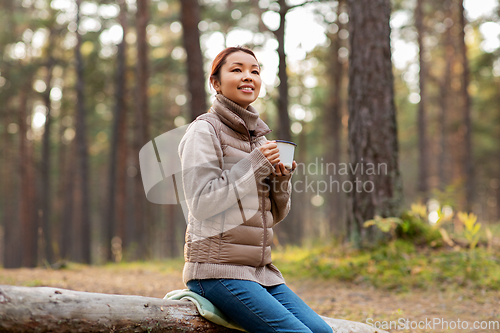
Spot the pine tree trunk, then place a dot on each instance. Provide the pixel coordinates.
(116, 176)
(373, 146)
(423, 153)
(69, 202)
(83, 252)
(284, 119)
(64, 197)
(468, 158)
(12, 232)
(444, 102)
(333, 128)
(190, 18)
(12, 255)
(45, 167)
(11, 229)
(141, 136)
(121, 172)
(171, 236)
(27, 217)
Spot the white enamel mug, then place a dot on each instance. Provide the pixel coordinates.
(287, 150)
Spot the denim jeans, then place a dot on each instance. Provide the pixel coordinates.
(260, 309)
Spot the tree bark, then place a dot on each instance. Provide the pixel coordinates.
(61, 310)
(45, 167)
(171, 234)
(141, 137)
(372, 118)
(190, 18)
(284, 119)
(83, 253)
(27, 211)
(333, 127)
(10, 189)
(115, 219)
(444, 102)
(423, 153)
(468, 158)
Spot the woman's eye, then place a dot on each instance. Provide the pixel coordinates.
(256, 72)
(236, 69)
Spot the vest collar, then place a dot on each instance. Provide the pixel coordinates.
(237, 118)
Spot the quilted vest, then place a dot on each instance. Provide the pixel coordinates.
(248, 243)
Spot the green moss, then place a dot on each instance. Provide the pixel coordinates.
(398, 265)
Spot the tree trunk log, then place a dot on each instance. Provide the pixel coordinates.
(44, 309)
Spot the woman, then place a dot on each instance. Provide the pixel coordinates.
(235, 196)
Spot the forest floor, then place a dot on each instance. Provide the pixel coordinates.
(332, 299)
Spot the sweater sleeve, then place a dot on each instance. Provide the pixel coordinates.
(208, 189)
(280, 193)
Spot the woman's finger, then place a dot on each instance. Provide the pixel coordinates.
(277, 170)
(274, 157)
(284, 170)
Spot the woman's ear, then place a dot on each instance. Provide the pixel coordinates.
(215, 83)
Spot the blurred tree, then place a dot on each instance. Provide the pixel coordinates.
(82, 253)
(115, 219)
(295, 219)
(373, 145)
(467, 123)
(66, 191)
(27, 204)
(444, 97)
(282, 8)
(423, 161)
(284, 119)
(190, 17)
(141, 133)
(46, 155)
(333, 118)
(12, 255)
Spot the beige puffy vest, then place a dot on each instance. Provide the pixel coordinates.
(248, 243)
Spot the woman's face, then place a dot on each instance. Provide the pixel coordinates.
(239, 79)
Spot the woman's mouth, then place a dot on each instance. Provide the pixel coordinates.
(246, 89)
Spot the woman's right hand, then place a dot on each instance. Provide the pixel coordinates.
(271, 152)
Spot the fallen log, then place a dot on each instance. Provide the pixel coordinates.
(44, 309)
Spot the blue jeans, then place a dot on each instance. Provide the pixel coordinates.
(260, 309)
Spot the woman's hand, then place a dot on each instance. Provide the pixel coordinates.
(270, 151)
(281, 170)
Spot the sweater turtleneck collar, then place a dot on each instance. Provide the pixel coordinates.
(249, 115)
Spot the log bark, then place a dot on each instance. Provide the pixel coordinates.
(44, 309)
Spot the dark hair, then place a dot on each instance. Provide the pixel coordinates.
(220, 59)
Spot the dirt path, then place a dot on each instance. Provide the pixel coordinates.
(332, 299)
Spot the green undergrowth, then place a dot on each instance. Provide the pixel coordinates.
(398, 265)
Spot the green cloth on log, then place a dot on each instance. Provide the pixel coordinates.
(206, 309)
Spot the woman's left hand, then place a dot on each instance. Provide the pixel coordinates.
(280, 170)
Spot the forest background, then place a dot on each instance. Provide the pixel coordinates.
(85, 84)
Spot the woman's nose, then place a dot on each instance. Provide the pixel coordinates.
(247, 77)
